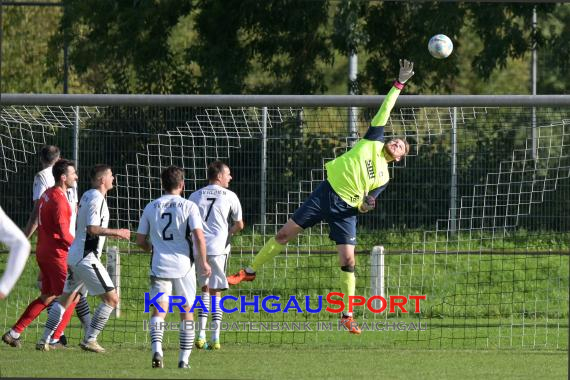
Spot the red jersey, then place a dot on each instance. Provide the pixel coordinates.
(54, 238)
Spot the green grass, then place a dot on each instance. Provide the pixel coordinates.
(475, 301)
(289, 362)
(499, 314)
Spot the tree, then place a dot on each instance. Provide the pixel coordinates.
(122, 47)
(24, 50)
(403, 29)
(261, 46)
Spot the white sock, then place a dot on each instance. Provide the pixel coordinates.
(217, 319)
(14, 334)
(83, 312)
(54, 318)
(203, 316)
(186, 342)
(156, 333)
(98, 322)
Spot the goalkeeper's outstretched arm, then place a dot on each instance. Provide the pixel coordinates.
(406, 72)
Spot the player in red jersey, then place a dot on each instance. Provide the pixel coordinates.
(54, 240)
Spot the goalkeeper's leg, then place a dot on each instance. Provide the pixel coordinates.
(309, 214)
(347, 284)
(271, 249)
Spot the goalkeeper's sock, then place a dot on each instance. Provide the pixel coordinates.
(347, 285)
(156, 333)
(203, 315)
(268, 252)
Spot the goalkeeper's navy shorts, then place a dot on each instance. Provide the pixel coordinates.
(325, 204)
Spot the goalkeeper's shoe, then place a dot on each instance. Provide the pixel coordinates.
(92, 346)
(215, 345)
(11, 341)
(157, 361)
(182, 364)
(42, 345)
(201, 344)
(240, 276)
(350, 324)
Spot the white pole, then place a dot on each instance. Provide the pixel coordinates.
(533, 84)
(453, 192)
(76, 139)
(263, 179)
(377, 275)
(352, 111)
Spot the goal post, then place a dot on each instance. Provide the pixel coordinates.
(114, 270)
(377, 287)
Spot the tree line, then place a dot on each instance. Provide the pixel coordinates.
(280, 46)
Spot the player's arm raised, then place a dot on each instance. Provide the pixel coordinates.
(381, 117)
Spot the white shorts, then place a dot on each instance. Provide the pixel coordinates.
(184, 287)
(88, 275)
(217, 279)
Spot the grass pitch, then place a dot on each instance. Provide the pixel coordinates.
(287, 362)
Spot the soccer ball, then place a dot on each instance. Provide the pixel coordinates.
(440, 46)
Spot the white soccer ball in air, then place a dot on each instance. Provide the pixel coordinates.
(440, 46)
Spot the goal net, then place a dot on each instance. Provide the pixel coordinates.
(475, 218)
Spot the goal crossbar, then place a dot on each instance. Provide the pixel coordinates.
(283, 100)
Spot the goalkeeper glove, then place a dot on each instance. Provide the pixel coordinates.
(368, 203)
(406, 70)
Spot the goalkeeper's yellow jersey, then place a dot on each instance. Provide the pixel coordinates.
(358, 171)
(364, 167)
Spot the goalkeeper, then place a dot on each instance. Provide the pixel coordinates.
(354, 181)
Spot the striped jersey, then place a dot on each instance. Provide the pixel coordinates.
(218, 207)
(93, 211)
(169, 222)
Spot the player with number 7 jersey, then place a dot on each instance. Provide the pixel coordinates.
(218, 206)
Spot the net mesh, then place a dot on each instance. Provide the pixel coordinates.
(488, 246)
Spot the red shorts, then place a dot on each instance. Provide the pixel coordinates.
(53, 275)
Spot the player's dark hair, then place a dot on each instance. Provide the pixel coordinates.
(172, 177)
(98, 170)
(49, 154)
(214, 169)
(60, 168)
